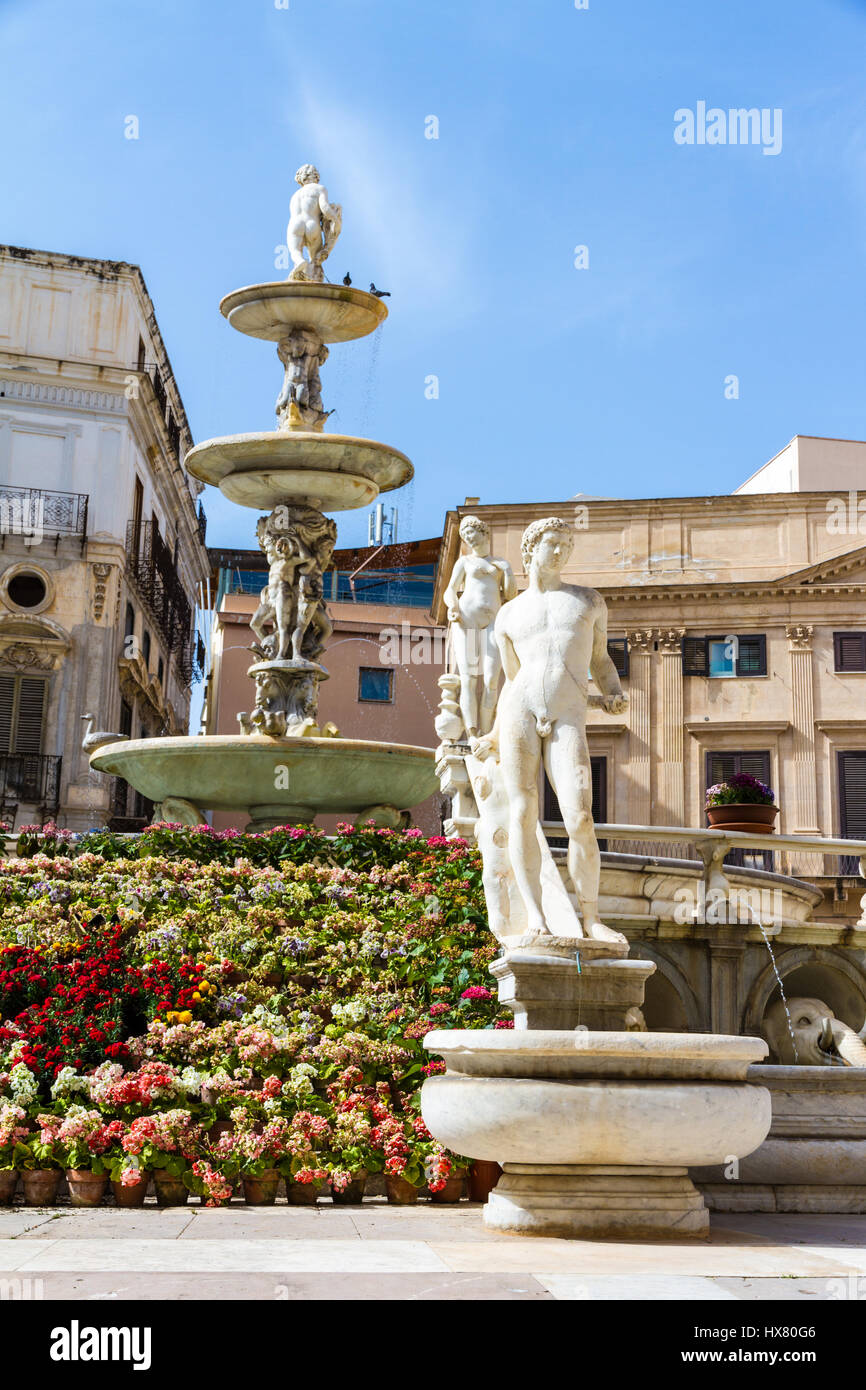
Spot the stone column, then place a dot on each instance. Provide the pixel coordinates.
(805, 809)
(640, 647)
(671, 809)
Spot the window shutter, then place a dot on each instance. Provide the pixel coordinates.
(852, 795)
(752, 656)
(695, 658)
(598, 768)
(849, 649)
(720, 766)
(755, 765)
(7, 698)
(617, 650)
(28, 726)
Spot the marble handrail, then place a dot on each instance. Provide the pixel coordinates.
(713, 845)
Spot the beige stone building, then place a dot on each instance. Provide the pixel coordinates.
(101, 540)
(739, 626)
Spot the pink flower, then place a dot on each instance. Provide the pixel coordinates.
(476, 992)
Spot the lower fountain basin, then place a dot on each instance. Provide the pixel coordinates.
(331, 472)
(596, 1131)
(277, 780)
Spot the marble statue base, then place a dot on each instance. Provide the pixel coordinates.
(287, 699)
(596, 1202)
(572, 982)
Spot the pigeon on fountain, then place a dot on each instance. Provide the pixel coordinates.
(347, 279)
(380, 294)
(92, 741)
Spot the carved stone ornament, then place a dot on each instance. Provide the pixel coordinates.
(800, 636)
(22, 656)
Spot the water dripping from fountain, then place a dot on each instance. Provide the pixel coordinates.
(760, 927)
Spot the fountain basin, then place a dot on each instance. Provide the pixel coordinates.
(596, 1131)
(338, 313)
(331, 472)
(277, 780)
(813, 1159)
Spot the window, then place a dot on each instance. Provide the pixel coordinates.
(145, 648)
(26, 589)
(725, 657)
(721, 766)
(849, 651)
(617, 650)
(129, 624)
(137, 509)
(160, 670)
(376, 683)
(852, 804)
(550, 804)
(141, 354)
(22, 708)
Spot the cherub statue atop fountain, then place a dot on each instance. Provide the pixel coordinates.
(314, 225)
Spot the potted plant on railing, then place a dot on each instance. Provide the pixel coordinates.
(741, 803)
(14, 1131)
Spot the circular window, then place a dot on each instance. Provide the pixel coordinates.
(26, 590)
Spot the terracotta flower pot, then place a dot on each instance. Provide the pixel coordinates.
(170, 1191)
(399, 1191)
(262, 1191)
(453, 1189)
(302, 1194)
(8, 1184)
(134, 1194)
(743, 815)
(40, 1186)
(86, 1189)
(481, 1179)
(353, 1193)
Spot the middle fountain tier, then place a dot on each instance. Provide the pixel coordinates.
(277, 768)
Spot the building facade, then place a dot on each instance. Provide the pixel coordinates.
(102, 550)
(383, 660)
(738, 624)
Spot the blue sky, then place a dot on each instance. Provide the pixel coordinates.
(556, 130)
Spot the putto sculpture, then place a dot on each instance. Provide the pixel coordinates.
(314, 225)
(299, 542)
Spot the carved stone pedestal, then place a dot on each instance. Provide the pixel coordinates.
(287, 698)
(596, 1203)
(568, 982)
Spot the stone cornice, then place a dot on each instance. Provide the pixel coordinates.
(43, 393)
(732, 726)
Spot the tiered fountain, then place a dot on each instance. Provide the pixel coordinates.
(282, 767)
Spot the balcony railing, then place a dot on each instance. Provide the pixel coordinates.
(31, 511)
(33, 778)
(152, 570)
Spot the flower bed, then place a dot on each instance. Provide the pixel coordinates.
(222, 1009)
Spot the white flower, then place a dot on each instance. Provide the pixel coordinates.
(24, 1084)
(68, 1082)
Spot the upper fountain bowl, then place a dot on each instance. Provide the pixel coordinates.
(337, 313)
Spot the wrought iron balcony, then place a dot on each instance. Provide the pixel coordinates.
(152, 569)
(32, 778)
(31, 511)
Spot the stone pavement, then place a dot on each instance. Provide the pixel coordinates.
(377, 1251)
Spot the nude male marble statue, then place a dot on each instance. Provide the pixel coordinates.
(551, 638)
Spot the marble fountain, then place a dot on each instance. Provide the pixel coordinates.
(282, 767)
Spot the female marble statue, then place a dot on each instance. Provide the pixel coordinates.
(479, 585)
